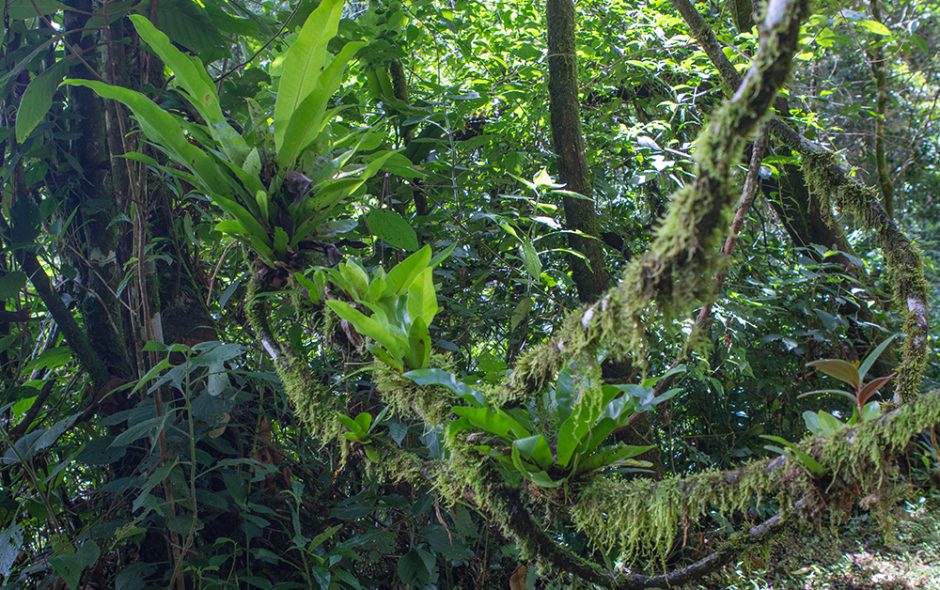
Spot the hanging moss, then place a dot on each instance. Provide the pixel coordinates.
(643, 518)
(430, 404)
(903, 259)
(312, 400)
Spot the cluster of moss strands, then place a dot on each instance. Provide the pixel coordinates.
(432, 405)
(686, 247)
(313, 401)
(643, 518)
(903, 260)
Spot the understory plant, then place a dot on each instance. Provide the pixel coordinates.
(853, 374)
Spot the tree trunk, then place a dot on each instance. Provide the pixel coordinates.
(94, 239)
(590, 278)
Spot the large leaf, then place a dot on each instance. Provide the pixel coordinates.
(873, 356)
(422, 298)
(307, 120)
(842, 370)
(448, 380)
(392, 228)
(872, 387)
(303, 62)
(399, 279)
(419, 344)
(369, 327)
(611, 456)
(188, 24)
(37, 99)
(25, 9)
(191, 75)
(11, 283)
(167, 131)
(495, 422)
(534, 449)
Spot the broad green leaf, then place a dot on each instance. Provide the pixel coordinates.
(392, 228)
(419, 344)
(530, 257)
(37, 99)
(26, 9)
(70, 565)
(829, 424)
(422, 298)
(399, 279)
(303, 62)
(875, 27)
(415, 568)
(166, 131)
(844, 371)
(11, 543)
(280, 241)
(447, 380)
(364, 421)
(495, 422)
(535, 449)
(611, 456)
(307, 121)
(369, 327)
(355, 277)
(199, 88)
(871, 411)
(11, 283)
(802, 456)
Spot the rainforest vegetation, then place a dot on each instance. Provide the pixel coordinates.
(459, 294)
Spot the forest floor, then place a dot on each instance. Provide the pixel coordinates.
(860, 557)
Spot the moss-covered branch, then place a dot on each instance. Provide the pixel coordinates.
(643, 518)
(312, 400)
(829, 180)
(687, 243)
(826, 178)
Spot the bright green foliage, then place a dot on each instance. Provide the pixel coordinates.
(275, 214)
(403, 303)
(323, 412)
(570, 437)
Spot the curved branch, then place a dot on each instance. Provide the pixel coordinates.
(831, 180)
(687, 243)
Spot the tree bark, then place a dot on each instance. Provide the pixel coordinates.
(590, 277)
(877, 59)
(94, 240)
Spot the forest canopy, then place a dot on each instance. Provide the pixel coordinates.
(351, 294)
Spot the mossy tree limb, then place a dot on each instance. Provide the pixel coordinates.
(802, 217)
(590, 278)
(686, 247)
(643, 518)
(825, 176)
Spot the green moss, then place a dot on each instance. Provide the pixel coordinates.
(432, 405)
(643, 518)
(312, 400)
